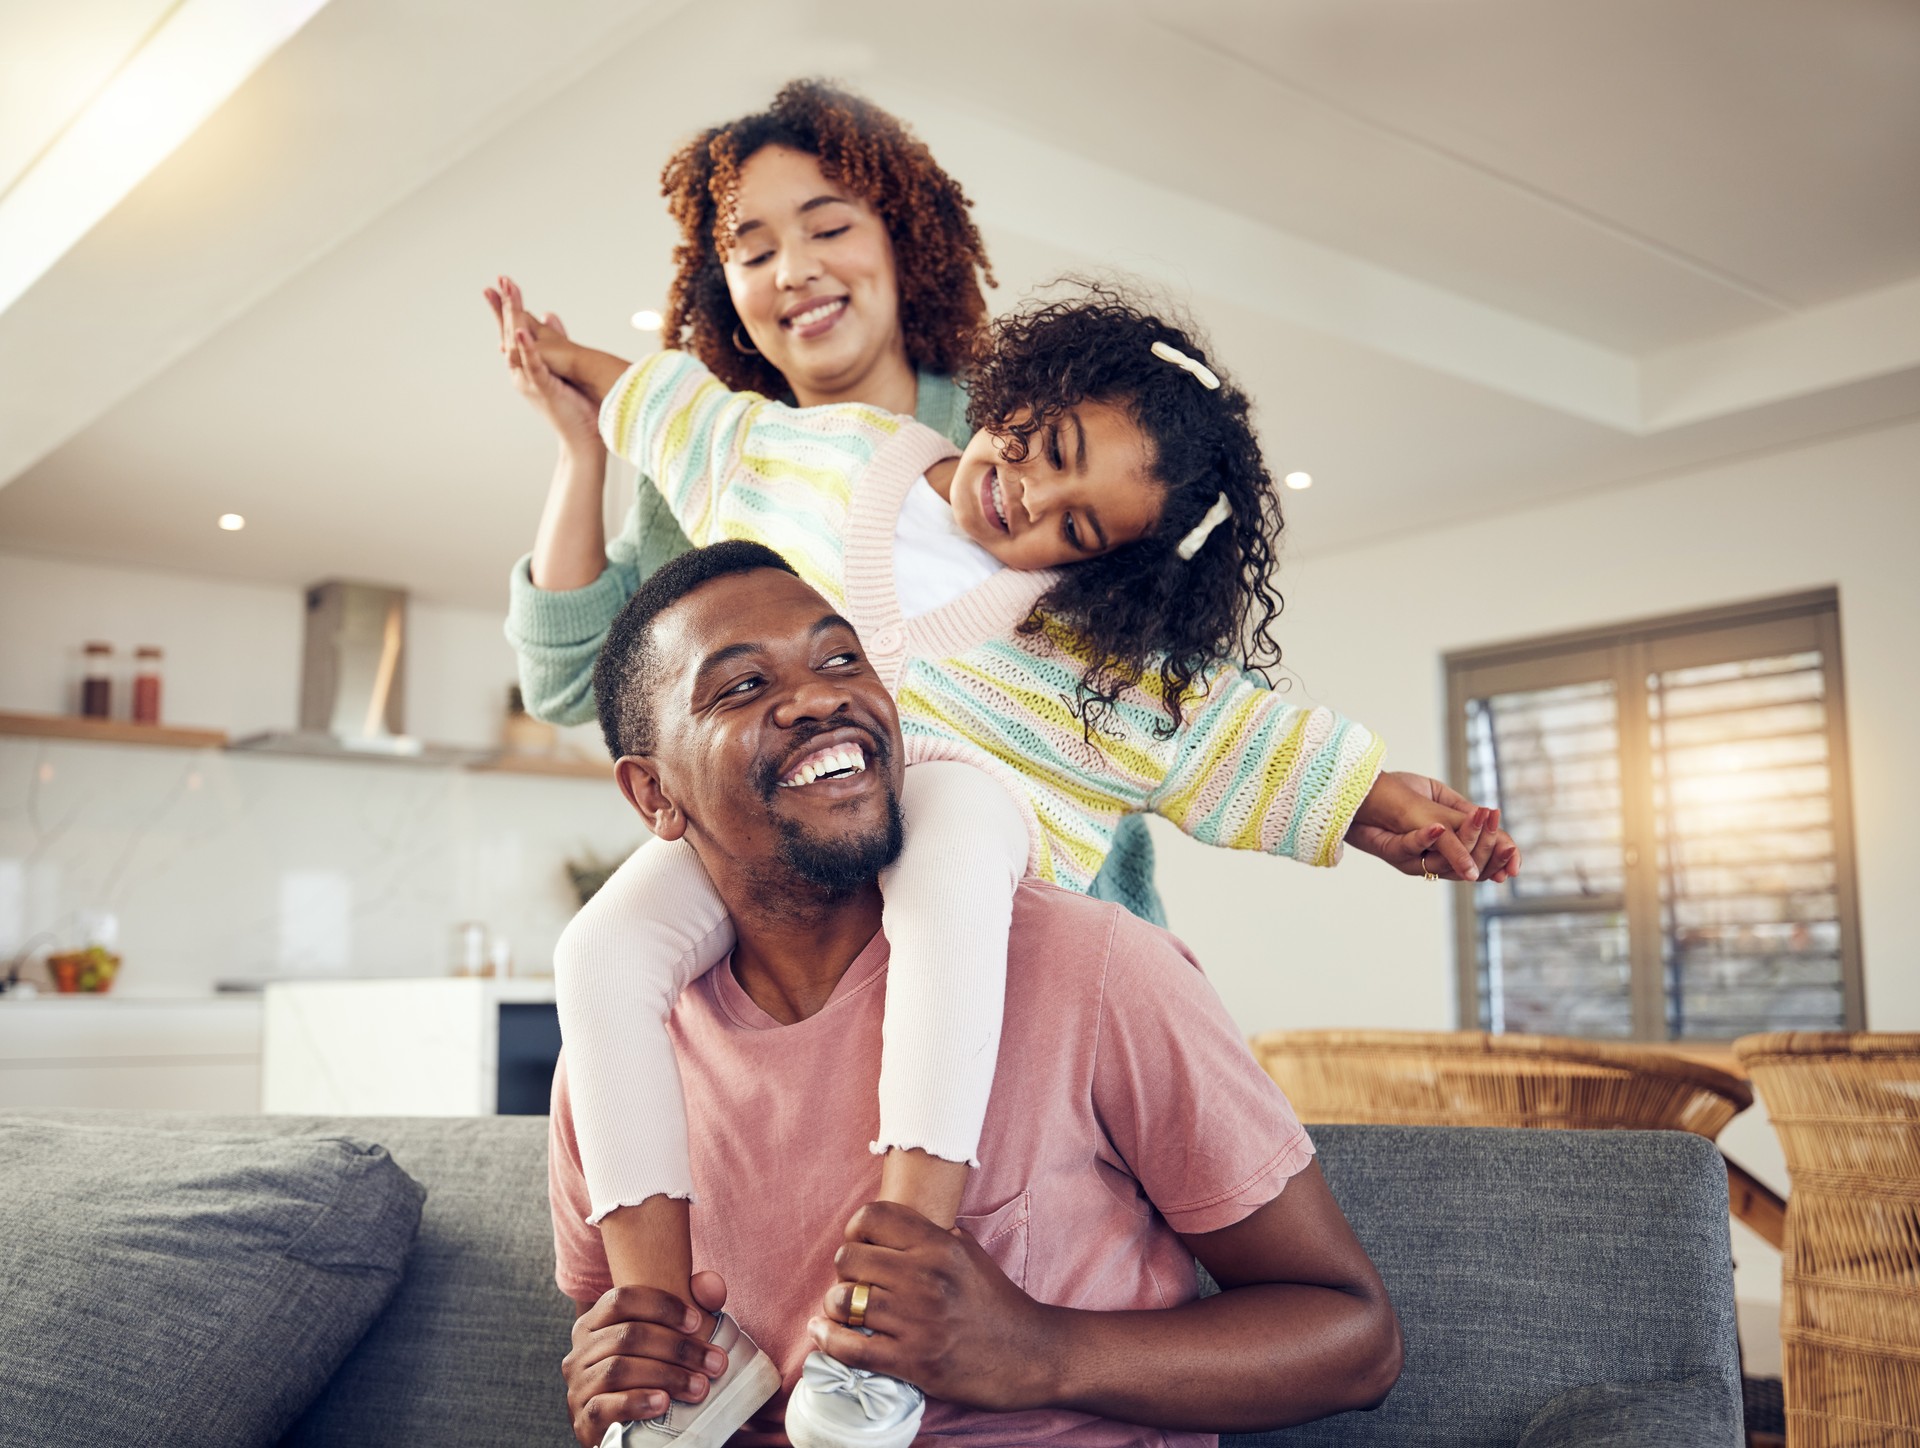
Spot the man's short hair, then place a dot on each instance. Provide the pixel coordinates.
(626, 676)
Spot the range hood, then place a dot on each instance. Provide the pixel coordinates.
(352, 683)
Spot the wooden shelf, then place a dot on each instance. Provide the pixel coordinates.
(114, 731)
(110, 731)
(547, 767)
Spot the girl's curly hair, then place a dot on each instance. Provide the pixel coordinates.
(1141, 615)
(938, 255)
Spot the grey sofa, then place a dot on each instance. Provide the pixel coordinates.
(1555, 1289)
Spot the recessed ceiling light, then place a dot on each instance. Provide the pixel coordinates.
(648, 320)
(232, 522)
(1297, 481)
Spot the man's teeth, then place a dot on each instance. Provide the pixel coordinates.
(816, 314)
(845, 759)
(999, 501)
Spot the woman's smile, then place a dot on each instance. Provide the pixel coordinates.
(816, 317)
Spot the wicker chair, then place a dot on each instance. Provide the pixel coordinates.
(1471, 1078)
(1847, 1109)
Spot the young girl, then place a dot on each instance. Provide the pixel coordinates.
(1059, 611)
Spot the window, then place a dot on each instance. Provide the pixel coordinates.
(1679, 789)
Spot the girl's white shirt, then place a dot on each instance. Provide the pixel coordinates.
(933, 561)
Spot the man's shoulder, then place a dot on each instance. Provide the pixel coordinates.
(1066, 933)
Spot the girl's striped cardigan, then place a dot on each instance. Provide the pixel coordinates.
(823, 486)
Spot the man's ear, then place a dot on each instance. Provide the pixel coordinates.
(640, 782)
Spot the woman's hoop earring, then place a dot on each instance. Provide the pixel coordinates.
(746, 349)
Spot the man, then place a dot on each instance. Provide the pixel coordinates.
(1130, 1132)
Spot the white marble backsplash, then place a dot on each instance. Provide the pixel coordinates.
(232, 866)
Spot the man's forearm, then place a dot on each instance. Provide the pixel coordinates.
(1249, 1359)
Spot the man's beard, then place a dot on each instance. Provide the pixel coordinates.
(837, 867)
(840, 866)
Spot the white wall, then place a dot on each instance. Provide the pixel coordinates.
(222, 865)
(1366, 630)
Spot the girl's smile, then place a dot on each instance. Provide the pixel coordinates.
(1084, 488)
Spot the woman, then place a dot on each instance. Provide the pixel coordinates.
(862, 289)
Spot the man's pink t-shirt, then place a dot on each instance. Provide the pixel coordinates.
(1126, 1108)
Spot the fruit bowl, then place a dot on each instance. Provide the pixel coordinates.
(84, 972)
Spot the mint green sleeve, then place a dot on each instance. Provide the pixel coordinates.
(556, 633)
(668, 416)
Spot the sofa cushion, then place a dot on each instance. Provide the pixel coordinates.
(1690, 1413)
(193, 1288)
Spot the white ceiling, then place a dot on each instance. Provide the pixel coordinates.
(1466, 256)
(53, 60)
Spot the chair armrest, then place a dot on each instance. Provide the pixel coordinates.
(1696, 1412)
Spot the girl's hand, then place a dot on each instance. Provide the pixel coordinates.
(536, 351)
(1420, 826)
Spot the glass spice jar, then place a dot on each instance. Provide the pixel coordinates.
(146, 684)
(96, 681)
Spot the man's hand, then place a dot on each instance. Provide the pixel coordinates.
(1417, 824)
(944, 1316)
(635, 1348)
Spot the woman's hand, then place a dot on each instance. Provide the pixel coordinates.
(944, 1316)
(532, 348)
(1420, 826)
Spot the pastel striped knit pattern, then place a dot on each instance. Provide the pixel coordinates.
(823, 486)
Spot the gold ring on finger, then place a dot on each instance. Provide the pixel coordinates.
(857, 1305)
(1425, 873)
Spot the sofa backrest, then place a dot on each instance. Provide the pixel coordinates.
(1523, 1263)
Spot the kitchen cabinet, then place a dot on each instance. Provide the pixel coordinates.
(188, 1053)
(432, 1046)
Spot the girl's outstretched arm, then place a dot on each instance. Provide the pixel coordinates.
(1250, 770)
(679, 425)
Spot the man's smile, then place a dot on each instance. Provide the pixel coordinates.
(830, 764)
(829, 761)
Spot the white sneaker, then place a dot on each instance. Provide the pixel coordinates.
(750, 1379)
(835, 1406)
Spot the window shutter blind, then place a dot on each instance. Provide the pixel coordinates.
(1743, 814)
(1553, 943)
(1679, 790)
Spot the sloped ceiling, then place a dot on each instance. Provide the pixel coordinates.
(1466, 257)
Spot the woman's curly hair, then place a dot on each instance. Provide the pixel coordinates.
(1143, 616)
(937, 252)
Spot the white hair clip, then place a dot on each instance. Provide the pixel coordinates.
(1214, 517)
(1180, 359)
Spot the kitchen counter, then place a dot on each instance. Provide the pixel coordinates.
(162, 1052)
(427, 1046)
